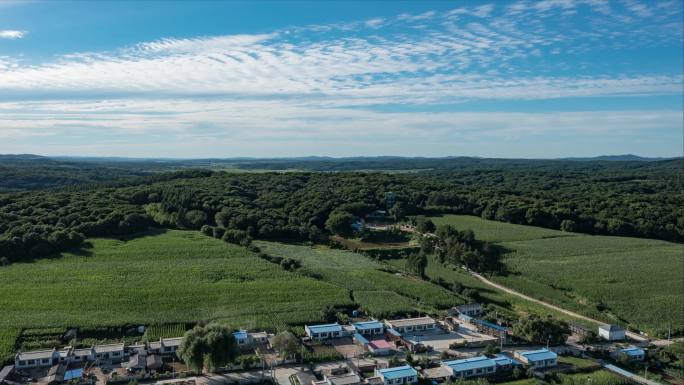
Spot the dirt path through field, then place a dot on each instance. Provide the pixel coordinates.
(629, 334)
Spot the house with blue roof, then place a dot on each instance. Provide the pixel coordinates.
(241, 337)
(470, 367)
(632, 353)
(538, 359)
(369, 328)
(398, 375)
(324, 332)
(504, 362)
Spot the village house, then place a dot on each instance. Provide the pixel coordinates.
(165, 346)
(113, 352)
(248, 340)
(632, 353)
(82, 355)
(398, 375)
(611, 332)
(342, 379)
(379, 347)
(35, 359)
(412, 325)
(470, 367)
(369, 328)
(470, 309)
(323, 332)
(538, 359)
(503, 362)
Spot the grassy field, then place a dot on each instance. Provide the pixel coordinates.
(497, 301)
(619, 279)
(173, 276)
(363, 275)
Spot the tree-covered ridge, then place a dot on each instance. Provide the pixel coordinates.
(296, 206)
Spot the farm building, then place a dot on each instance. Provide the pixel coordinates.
(82, 355)
(503, 362)
(369, 327)
(165, 346)
(580, 330)
(471, 367)
(411, 325)
(379, 347)
(542, 358)
(113, 352)
(470, 309)
(245, 339)
(343, 379)
(398, 375)
(35, 359)
(632, 353)
(489, 328)
(323, 332)
(611, 332)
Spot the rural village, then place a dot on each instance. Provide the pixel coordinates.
(420, 350)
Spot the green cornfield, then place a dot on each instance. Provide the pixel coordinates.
(363, 276)
(162, 278)
(631, 281)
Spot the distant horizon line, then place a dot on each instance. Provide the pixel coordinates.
(359, 157)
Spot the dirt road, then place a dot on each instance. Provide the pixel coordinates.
(632, 335)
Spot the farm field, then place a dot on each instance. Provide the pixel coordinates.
(361, 274)
(601, 276)
(166, 277)
(503, 303)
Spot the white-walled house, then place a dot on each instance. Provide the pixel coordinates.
(36, 359)
(470, 367)
(611, 332)
(412, 325)
(469, 309)
(368, 328)
(165, 346)
(398, 375)
(538, 359)
(113, 352)
(323, 332)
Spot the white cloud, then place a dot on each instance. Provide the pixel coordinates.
(11, 34)
(322, 83)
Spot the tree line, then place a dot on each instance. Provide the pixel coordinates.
(302, 206)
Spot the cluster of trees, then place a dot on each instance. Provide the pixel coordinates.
(209, 346)
(542, 330)
(461, 248)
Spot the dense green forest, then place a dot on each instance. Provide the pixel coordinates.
(617, 198)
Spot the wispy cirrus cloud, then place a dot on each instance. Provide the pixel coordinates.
(325, 82)
(11, 34)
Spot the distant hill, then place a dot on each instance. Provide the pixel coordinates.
(620, 158)
(29, 172)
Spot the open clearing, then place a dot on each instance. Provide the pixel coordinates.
(601, 276)
(171, 276)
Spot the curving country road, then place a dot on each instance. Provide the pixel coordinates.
(629, 334)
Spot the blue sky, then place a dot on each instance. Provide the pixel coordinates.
(534, 79)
